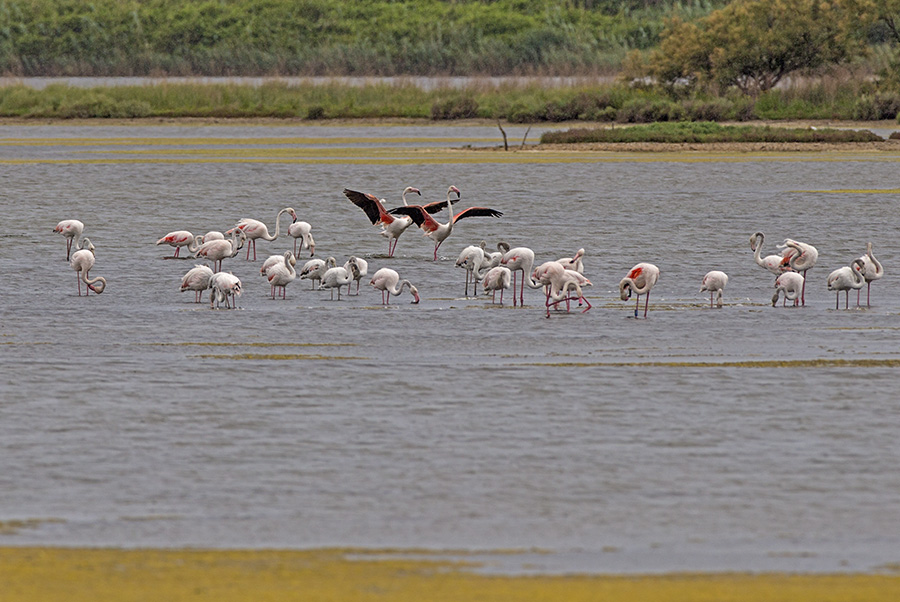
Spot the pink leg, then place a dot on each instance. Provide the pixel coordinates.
(586, 302)
(646, 303)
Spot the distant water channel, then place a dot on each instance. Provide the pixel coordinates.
(750, 437)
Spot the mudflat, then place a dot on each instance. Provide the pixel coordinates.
(89, 574)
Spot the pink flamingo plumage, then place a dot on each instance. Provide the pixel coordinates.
(640, 279)
(71, 229)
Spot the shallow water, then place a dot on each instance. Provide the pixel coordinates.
(138, 418)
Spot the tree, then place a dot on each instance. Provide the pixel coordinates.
(754, 44)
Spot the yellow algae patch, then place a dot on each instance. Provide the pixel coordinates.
(11, 527)
(250, 344)
(89, 575)
(853, 191)
(815, 363)
(277, 356)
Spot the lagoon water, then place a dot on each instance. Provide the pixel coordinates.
(601, 442)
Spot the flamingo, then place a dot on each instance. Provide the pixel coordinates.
(802, 259)
(871, 270)
(439, 232)
(213, 235)
(281, 274)
(335, 278)
(497, 278)
(846, 278)
(388, 282)
(181, 238)
(559, 281)
(714, 282)
(472, 265)
(71, 229)
(196, 279)
(777, 264)
(391, 227)
(302, 231)
(82, 261)
(255, 229)
(362, 269)
(640, 280)
(217, 250)
(222, 286)
(520, 259)
(791, 284)
(314, 269)
(574, 263)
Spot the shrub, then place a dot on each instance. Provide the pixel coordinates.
(463, 107)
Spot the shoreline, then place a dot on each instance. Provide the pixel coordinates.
(49, 574)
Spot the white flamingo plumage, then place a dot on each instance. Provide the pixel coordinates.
(440, 232)
(181, 238)
(362, 270)
(871, 270)
(282, 273)
(498, 278)
(217, 250)
(473, 260)
(196, 279)
(255, 229)
(71, 229)
(314, 269)
(777, 264)
(388, 282)
(335, 278)
(640, 279)
(802, 259)
(82, 261)
(574, 263)
(845, 279)
(520, 259)
(714, 282)
(302, 232)
(224, 286)
(558, 282)
(791, 284)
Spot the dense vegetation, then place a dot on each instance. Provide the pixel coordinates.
(620, 103)
(705, 132)
(308, 37)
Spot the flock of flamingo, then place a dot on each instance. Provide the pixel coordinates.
(562, 280)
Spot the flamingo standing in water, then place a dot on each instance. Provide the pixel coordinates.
(777, 264)
(871, 270)
(391, 226)
(302, 231)
(362, 270)
(844, 279)
(497, 278)
(82, 261)
(520, 259)
(282, 273)
(802, 259)
(640, 280)
(71, 229)
(440, 232)
(471, 258)
(714, 282)
(255, 229)
(791, 284)
(388, 282)
(217, 250)
(559, 281)
(181, 238)
(224, 286)
(197, 280)
(314, 269)
(335, 278)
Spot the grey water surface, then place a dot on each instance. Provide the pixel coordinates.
(139, 418)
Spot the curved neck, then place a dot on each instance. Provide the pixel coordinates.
(399, 287)
(757, 252)
(879, 270)
(277, 226)
(195, 244)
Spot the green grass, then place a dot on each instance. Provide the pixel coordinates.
(705, 132)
